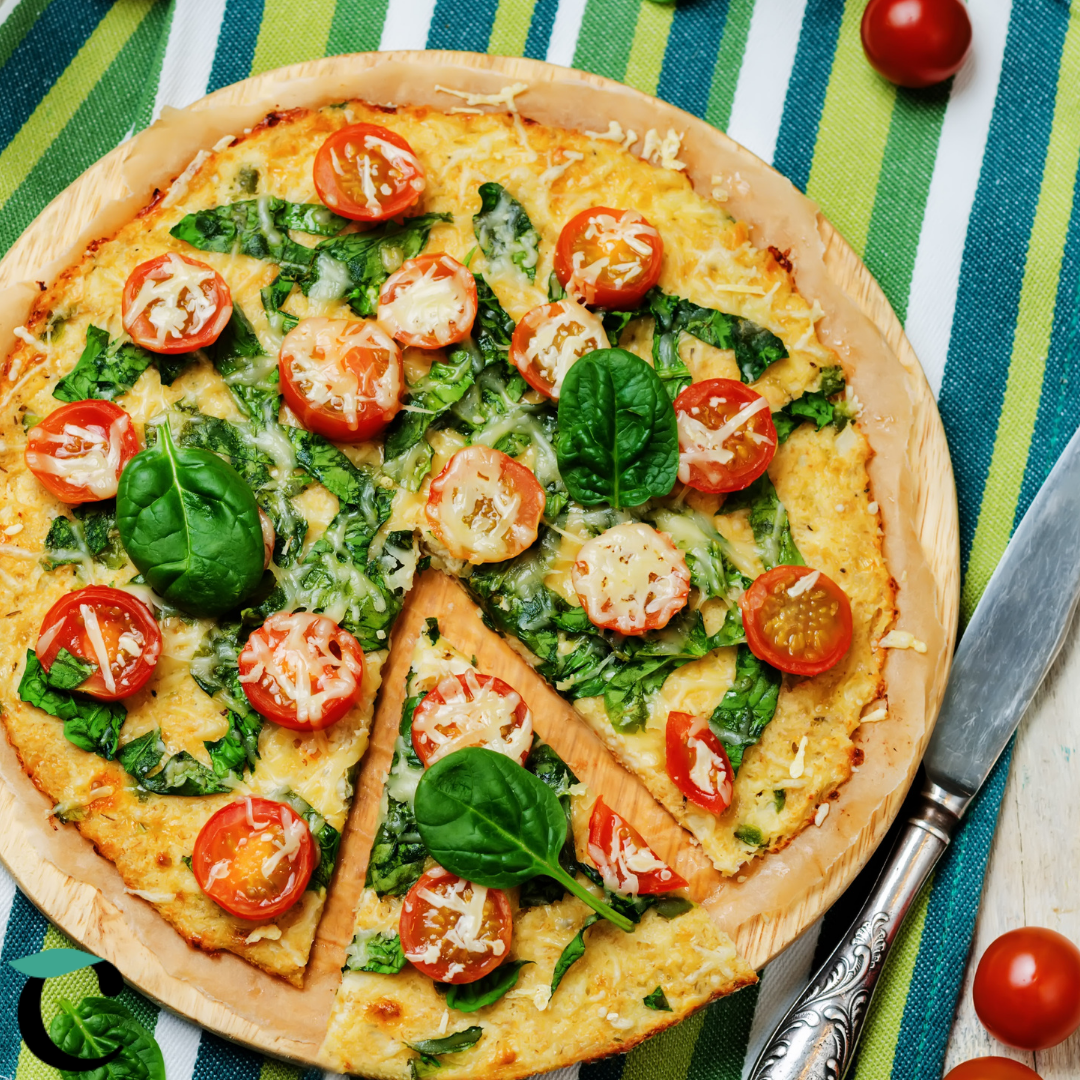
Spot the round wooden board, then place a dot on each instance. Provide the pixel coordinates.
(224, 994)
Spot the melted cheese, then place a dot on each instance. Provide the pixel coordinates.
(83, 456)
(97, 643)
(175, 304)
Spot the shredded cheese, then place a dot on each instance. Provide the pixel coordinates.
(97, 643)
(901, 639)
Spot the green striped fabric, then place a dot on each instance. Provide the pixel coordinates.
(962, 200)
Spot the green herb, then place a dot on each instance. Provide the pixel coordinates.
(378, 952)
(30, 421)
(92, 535)
(618, 440)
(749, 835)
(237, 750)
(769, 520)
(468, 997)
(779, 799)
(748, 706)
(191, 526)
(666, 905)
(504, 231)
(69, 672)
(180, 774)
(657, 1000)
(493, 327)
(326, 836)
(571, 954)
(247, 179)
(430, 1049)
(106, 370)
(484, 818)
(96, 1027)
(555, 290)
(431, 628)
(814, 407)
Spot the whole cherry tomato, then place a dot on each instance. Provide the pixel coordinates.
(916, 43)
(1027, 988)
(992, 1068)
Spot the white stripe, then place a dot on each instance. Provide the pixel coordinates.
(407, 24)
(936, 275)
(565, 31)
(782, 981)
(768, 60)
(7, 898)
(189, 54)
(179, 1042)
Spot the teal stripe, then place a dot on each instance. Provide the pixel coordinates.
(17, 25)
(696, 33)
(607, 33)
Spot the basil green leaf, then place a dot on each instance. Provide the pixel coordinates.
(448, 1044)
(96, 1027)
(571, 954)
(93, 726)
(69, 672)
(106, 370)
(92, 535)
(376, 951)
(657, 1000)
(769, 521)
(180, 774)
(191, 525)
(618, 439)
(748, 706)
(504, 232)
(484, 818)
(468, 997)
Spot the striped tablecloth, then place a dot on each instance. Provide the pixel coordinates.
(962, 200)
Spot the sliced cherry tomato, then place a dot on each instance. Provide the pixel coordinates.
(698, 763)
(173, 304)
(992, 1068)
(626, 863)
(797, 619)
(1027, 988)
(726, 435)
(608, 257)
(79, 450)
(484, 506)
(430, 302)
(367, 173)
(472, 710)
(254, 858)
(550, 338)
(452, 930)
(302, 670)
(916, 42)
(342, 377)
(109, 628)
(631, 578)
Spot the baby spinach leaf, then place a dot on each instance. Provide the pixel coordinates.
(656, 1000)
(96, 1027)
(814, 407)
(468, 997)
(108, 369)
(237, 750)
(92, 535)
(448, 1044)
(180, 774)
(251, 374)
(375, 951)
(93, 726)
(748, 706)
(769, 521)
(326, 836)
(618, 440)
(504, 232)
(191, 525)
(571, 954)
(69, 672)
(484, 818)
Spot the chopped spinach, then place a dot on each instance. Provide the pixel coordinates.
(92, 535)
(555, 289)
(179, 774)
(749, 835)
(238, 749)
(769, 521)
(430, 1049)
(748, 706)
(248, 370)
(108, 369)
(468, 997)
(326, 836)
(815, 407)
(657, 1000)
(376, 951)
(504, 232)
(69, 672)
(570, 955)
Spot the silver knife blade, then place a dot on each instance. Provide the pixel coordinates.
(1016, 632)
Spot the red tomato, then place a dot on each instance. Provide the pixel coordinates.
(173, 304)
(484, 506)
(631, 578)
(254, 858)
(1027, 988)
(367, 173)
(608, 257)
(801, 628)
(472, 710)
(342, 377)
(726, 435)
(79, 450)
(626, 863)
(916, 42)
(437, 920)
(430, 302)
(992, 1068)
(698, 763)
(302, 670)
(550, 338)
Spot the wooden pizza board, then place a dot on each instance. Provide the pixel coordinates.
(768, 906)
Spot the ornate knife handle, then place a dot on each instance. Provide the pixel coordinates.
(816, 1040)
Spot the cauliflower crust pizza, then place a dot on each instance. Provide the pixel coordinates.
(359, 340)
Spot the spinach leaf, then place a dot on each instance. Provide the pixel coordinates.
(97, 1026)
(326, 836)
(376, 951)
(92, 535)
(748, 706)
(814, 407)
(237, 750)
(618, 440)
(666, 905)
(93, 726)
(504, 232)
(769, 520)
(69, 672)
(555, 289)
(546, 765)
(249, 371)
(191, 525)
(180, 774)
(656, 1000)
(484, 818)
(493, 327)
(571, 954)
(327, 464)
(468, 997)
(397, 853)
(749, 835)
(448, 1044)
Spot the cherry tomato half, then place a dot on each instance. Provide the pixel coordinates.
(726, 435)
(992, 1068)
(631, 579)
(484, 506)
(698, 763)
(797, 619)
(173, 304)
(626, 863)
(109, 628)
(472, 710)
(79, 450)
(916, 42)
(302, 670)
(367, 173)
(342, 377)
(429, 303)
(550, 338)
(607, 257)
(1027, 988)
(254, 858)
(442, 914)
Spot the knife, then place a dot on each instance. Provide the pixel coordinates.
(1016, 632)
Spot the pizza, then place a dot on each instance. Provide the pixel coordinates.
(357, 341)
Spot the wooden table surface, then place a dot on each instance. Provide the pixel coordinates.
(1034, 872)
